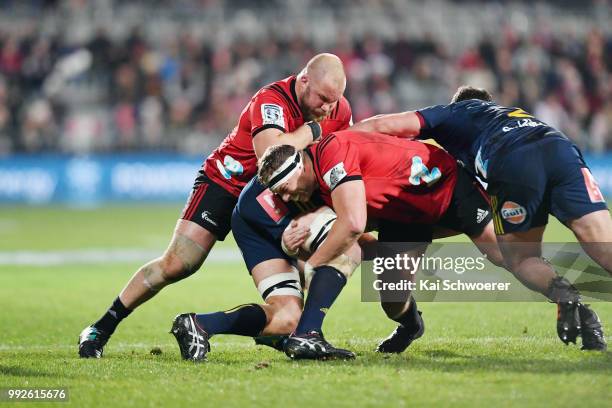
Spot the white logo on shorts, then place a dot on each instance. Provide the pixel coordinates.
(481, 215)
(206, 216)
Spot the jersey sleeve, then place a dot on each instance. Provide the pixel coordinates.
(268, 110)
(336, 163)
(339, 119)
(431, 117)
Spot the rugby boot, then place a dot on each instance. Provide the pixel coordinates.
(277, 342)
(402, 337)
(592, 334)
(92, 342)
(568, 321)
(313, 346)
(191, 338)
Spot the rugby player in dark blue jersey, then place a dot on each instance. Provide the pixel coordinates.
(258, 222)
(531, 170)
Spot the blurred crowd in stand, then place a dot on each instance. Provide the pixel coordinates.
(125, 85)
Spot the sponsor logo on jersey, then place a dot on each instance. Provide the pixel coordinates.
(513, 212)
(521, 124)
(334, 175)
(272, 114)
(419, 172)
(592, 187)
(206, 216)
(230, 167)
(272, 205)
(481, 215)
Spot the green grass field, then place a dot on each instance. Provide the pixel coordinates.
(472, 354)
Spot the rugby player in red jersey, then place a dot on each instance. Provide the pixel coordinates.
(408, 187)
(295, 111)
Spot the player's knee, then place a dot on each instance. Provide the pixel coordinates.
(182, 259)
(496, 258)
(593, 227)
(289, 323)
(514, 263)
(173, 268)
(286, 313)
(347, 263)
(163, 271)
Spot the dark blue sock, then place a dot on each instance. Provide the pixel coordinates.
(243, 320)
(327, 283)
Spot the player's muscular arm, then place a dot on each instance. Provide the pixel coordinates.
(349, 202)
(404, 124)
(299, 138)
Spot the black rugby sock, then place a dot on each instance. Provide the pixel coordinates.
(113, 316)
(561, 290)
(243, 320)
(410, 318)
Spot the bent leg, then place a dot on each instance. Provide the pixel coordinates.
(185, 254)
(594, 232)
(397, 304)
(486, 242)
(402, 308)
(522, 252)
(278, 283)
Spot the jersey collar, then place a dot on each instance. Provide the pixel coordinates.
(293, 93)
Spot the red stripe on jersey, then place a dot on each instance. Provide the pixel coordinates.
(480, 189)
(293, 94)
(334, 112)
(290, 103)
(311, 153)
(195, 200)
(323, 143)
(279, 90)
(192, 199)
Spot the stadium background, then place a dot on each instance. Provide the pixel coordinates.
(107, 109)
(120, 100)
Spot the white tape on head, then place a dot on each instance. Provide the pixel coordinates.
(285, 171)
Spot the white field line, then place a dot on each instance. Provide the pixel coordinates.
(101, 256)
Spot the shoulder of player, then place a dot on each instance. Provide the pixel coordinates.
(279, 93)
(472, 104)
(342, 111)
(330, 140)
